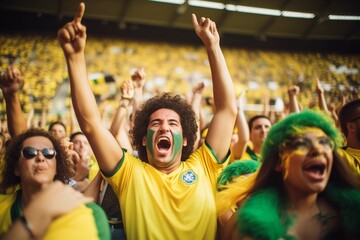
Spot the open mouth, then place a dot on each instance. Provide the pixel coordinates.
(163, 144)
(317, 168)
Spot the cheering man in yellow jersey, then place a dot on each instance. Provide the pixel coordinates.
(168, 192)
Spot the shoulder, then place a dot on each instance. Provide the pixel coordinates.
(7, 198)
(88, 222)
(6, 202)
(205, 151)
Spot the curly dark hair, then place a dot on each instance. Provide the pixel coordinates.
(168, 101)
(12, 156)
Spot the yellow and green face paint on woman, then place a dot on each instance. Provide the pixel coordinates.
(302, 149)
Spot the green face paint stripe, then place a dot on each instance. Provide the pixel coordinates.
(149, 145)
(178, 141)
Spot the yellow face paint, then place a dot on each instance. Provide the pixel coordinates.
(299, 146)
(285, 159)
(300, 131)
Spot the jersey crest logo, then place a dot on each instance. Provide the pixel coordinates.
(189, 177)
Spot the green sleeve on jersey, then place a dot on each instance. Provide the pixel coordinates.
(216, 157)
(118, 166)
(101, 221)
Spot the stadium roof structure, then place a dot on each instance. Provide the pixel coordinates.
(327, 25)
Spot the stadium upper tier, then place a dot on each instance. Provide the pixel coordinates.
(175, 68)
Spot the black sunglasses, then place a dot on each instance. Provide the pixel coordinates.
(31, 152)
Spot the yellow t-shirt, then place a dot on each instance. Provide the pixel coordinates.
(179, 205)
(352, 155)
(247, 155)
(2, 166)
(85, 222)
(94, 168)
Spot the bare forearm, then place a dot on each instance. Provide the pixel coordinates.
(138, 98)
(243, 135)
(43, 118)
(93, 190)
(225, 105)
(83, 99)
(16, 120)
(196, 105)
(224, 95)
(119, 117)
(322, 102)
(293, 104)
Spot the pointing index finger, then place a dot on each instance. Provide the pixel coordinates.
(194, 20)
(80, 13)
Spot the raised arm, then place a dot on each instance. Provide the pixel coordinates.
(243, 131)
(321, 96)
(222, 123)
(11, 81)
(293, 91)
(117, 127)
(138, 78)
(72, 38)
(196, 105)
(93, 189)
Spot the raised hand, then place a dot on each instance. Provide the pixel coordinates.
(11, 81)
(82, 168)
(199, 88)
(206, 30)
(138, 78)
(72, 157)
(319, 88)
(127, 89)
(293, 90)
(72, 36)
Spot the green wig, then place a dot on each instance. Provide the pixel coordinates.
(237, 168)
(294, 123)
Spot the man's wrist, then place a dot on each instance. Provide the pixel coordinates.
(123, 105)
(126, 98)
(124, 102)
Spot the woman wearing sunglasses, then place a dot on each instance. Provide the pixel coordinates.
(302, 190)
(34, 160)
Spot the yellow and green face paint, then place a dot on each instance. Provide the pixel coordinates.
(287, 156)
(299, 149)
(149, 145)
(178, 143)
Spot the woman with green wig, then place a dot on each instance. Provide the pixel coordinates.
(302, 190)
